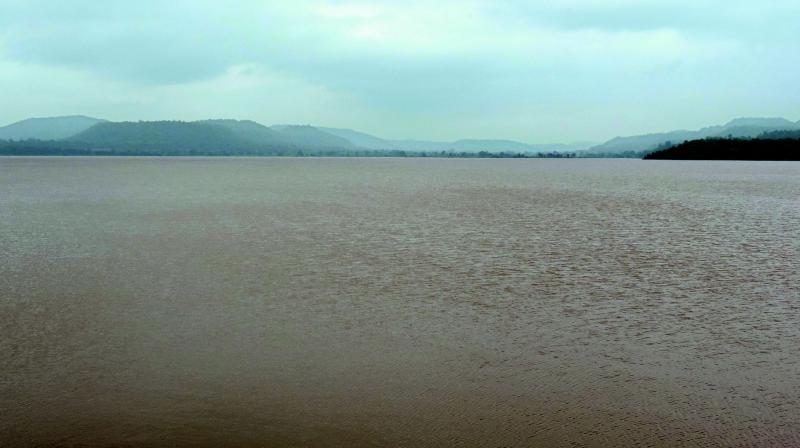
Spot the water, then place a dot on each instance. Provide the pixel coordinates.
(415, 302)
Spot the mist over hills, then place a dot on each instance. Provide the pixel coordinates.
(226, 135)
(229, 136)
(475, 145)
(310, 137)
(50, 128)
(363, 140)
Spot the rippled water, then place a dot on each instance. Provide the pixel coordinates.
(415, 302)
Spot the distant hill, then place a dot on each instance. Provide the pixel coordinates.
(208, 136)
(490, 145)
(250, 131)
(474, 145)
(368, 141)
(361, 139)
(738, 128)
(309, 137)
(50, 128)
(290, 136)
(514, 146)
(162, 136)
(774, 122)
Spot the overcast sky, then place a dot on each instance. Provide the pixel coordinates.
(537, 71)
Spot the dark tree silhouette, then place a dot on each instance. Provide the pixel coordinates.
(762, 148)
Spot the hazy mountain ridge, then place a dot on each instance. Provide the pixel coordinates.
(361, 139)
(226, 135)
(248, 133)
(310, 137)
(737, 128)
(48, 128)
(368, 141)
(515, 146)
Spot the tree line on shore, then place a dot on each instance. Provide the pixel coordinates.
(778, 145)
(72, 148)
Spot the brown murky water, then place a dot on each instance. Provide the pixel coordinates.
(413, 302)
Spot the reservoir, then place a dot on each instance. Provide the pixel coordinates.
(279, 302)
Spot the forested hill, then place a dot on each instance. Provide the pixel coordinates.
(161, 136)
(206, 137)
(769, 147)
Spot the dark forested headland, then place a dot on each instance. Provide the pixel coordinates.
(781, 146)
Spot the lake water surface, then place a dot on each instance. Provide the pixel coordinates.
(398, 302)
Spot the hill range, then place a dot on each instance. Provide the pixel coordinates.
(237, 136)
(228, 136)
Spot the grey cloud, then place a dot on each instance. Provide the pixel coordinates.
(707, 50)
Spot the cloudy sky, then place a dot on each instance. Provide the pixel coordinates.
(537, 71)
